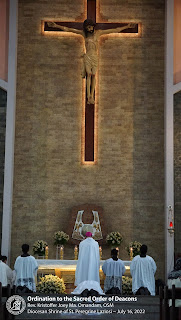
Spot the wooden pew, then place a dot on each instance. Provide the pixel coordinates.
(175, 312)
(5, 293)
(161, 301)
(2, 304)
(172, 312)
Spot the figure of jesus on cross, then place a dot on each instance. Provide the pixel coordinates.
(90, 58)
(91, 32)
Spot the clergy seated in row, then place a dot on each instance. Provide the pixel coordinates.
(26, 269)
(113, 269)
(6, 274)
(143, 269)
(87, 272)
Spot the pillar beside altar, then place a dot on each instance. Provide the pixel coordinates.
(66, 269)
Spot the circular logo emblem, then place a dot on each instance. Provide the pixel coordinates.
(15, 305)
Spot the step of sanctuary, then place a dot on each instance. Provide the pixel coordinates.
(105, 307)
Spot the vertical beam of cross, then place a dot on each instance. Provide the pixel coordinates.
(90, 136)
(90, 139)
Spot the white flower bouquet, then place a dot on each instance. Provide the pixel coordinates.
(60, 237)
(51, 284)
(135, 245)
(126, 285)
(114, 238)
(39, 247)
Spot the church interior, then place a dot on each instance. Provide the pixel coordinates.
(134, 179)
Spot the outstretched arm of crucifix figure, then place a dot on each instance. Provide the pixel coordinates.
(115, 30)
(63, 28)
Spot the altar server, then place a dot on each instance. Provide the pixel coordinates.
(9, 272)
(3, 274)
(114, 269)
(26, 268)
(88, 261)
(143, 269)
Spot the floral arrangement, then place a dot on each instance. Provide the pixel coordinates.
(114, 238)
(126, 285)
(60, 237)
(51, 284)
(136, 248)
(39, 247)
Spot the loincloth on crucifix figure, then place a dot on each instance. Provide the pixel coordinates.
(90, 58)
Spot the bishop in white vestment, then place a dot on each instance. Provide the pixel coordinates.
(88, 261)
(143, 270)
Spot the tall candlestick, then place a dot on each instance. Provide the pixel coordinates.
(100, 252)
(46, 252)
(131, 253)
(61, 252)
(75, 253)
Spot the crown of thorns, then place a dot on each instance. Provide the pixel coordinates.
(88, 22)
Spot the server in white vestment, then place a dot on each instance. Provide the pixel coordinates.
(143, 269)
(9, 272)
(26, 269)
(114, 269)
(87, 271)
(3, 274)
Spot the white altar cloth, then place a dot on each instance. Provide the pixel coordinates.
(67, 264)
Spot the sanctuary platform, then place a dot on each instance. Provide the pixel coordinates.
(66, 269)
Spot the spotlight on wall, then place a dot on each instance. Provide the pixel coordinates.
(170, 220)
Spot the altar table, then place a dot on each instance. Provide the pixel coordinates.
(66, 269)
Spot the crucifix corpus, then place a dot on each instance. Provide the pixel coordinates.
(90, 61)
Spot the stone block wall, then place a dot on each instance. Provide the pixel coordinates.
(177, 170)
(128, 179)
(3, 104)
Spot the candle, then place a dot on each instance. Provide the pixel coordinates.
(46, 252)
(100, 252)
(75, 253)
(61, 252)
(131, 253)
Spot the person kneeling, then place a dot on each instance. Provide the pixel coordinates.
(114, 269)
(143, 269)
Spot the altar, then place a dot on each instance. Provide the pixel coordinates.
(66, 269)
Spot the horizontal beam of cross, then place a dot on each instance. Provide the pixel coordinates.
(99, 26)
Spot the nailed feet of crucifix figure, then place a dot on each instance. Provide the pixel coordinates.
(90, 58)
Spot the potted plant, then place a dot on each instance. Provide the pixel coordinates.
(114, 239)
(126, 285)
(60, 239)
(134, 246)
(39, 248)
(51, 284)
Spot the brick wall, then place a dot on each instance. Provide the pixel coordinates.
(177, 170)
(128, 181)
(3, 101)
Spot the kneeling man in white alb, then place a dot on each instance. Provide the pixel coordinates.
(143, 269)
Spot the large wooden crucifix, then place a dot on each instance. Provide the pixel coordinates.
(91, 40)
